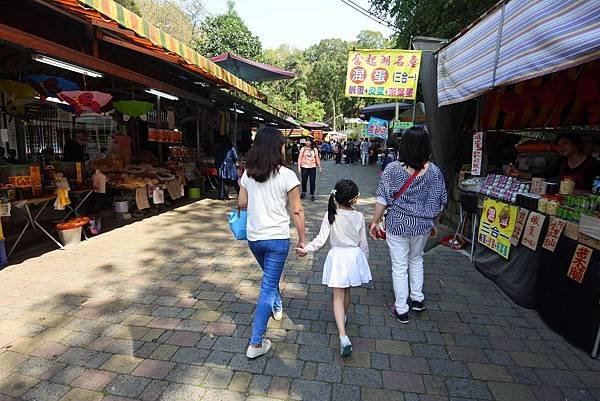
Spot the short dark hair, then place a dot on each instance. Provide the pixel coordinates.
(573, 137)
(413, 148)
(343, 193)
(264, 157)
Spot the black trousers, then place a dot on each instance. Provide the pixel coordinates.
(223, 190)
(306, 174)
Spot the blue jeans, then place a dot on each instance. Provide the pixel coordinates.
(271, 256)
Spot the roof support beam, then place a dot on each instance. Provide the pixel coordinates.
(26, 40)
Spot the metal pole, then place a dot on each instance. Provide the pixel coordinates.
(198, 134)
(414, 112)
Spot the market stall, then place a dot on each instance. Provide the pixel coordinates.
(526, 151)
(111, 121)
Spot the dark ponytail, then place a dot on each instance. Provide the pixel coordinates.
(331, 208)
(343, 193)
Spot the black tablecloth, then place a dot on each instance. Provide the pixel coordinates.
(570, 308)
(539, 280)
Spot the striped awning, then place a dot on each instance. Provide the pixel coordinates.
(126, 19)
(519, 40)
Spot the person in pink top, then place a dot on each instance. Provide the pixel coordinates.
(308, 161)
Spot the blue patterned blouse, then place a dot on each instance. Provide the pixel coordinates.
(414, 212)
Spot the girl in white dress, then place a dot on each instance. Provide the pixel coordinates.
(346, 264)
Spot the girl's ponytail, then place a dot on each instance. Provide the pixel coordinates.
(332, 208)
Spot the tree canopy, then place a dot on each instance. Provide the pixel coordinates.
(227, 33)
(437, 18)
(131, 5)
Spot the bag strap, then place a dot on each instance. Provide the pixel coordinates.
(406, 184)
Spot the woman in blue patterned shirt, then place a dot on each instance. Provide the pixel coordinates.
(413, 192)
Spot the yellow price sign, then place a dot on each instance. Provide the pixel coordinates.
(497, 225)
(383, 73)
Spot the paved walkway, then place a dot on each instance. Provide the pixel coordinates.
(161, 309)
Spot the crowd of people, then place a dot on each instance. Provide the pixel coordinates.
(409, 201)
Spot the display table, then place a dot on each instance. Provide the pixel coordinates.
(23, 207)
(538, 279)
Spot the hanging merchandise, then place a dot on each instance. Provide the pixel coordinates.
(17, 90)
(48, 86)
(62, 192)
(132, 108)
(85, 101)
(99, 180)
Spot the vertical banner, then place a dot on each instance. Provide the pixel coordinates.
(533, 228)
(519, 226)
(384, 74)
(377, 128)
(497, 225)
(477, 154)
(555, 229)
(579, 263)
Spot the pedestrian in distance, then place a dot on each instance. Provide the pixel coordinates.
(226, 159)
(346, 264)
(365, 146)
(339, 153)
(413, 191)
(308, 162)
(267, 188)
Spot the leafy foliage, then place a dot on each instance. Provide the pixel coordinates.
(227, 33)
(131, 5)
(179, 19)
(371, 40)
(437, 18)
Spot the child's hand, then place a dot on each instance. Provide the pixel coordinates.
(301, 252)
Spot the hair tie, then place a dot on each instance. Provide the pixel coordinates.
(333, 191)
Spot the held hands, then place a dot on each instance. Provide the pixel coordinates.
(300, 250)
(375, 231)
(434, 232)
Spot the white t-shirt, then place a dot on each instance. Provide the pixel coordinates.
(268, 216)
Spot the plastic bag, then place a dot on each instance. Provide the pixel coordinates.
(237, 223)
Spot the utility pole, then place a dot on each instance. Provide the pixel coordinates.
(334, 116)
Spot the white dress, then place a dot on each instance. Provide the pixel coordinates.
(346, 264)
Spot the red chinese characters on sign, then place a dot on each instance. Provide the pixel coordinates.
(400, 61)
(357, 59)
(371, 60)
(386, 60)
(477, 154)
(491, 214)
(519, 225)
(533, 229)
(579, 263)
(358, 75)
(555, 228)
(379, 76)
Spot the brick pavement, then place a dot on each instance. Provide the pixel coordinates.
(161, 310)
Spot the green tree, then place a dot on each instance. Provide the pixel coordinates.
(438, 18)
(227, 33)
(371, 40)
(131, 5)
(290, 94)
(179, 19)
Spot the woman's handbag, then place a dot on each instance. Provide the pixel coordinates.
(237, 223)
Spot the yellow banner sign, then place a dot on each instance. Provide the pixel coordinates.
(497, 225)
(385, 74)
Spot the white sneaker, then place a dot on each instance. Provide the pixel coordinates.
(253, 352)
(345, 346)
(278, 314)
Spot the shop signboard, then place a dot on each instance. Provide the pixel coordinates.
(317, 135)
(383, 73)
(579, 263)
(533, 228)
(477, 154)
(399, 126)
(497, 225)
(377, 128)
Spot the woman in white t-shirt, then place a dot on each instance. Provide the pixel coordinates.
(267, 187)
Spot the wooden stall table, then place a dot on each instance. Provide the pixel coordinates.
(24, 208)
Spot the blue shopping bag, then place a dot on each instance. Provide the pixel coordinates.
(237, 223)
